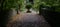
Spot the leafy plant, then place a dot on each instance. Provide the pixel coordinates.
(28, 6)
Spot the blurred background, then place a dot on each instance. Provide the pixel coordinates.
(49, 9)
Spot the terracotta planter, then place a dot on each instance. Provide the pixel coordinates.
(28, 11)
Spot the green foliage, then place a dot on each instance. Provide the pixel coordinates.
(55, 3)
(48, 3)
(28, 6)
(13, 4)
(8, 4)
(36, 5)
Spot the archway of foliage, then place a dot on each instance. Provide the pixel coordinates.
(8, 4)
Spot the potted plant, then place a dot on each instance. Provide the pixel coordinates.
(28, 8)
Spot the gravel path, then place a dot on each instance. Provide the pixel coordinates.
(29, 20)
